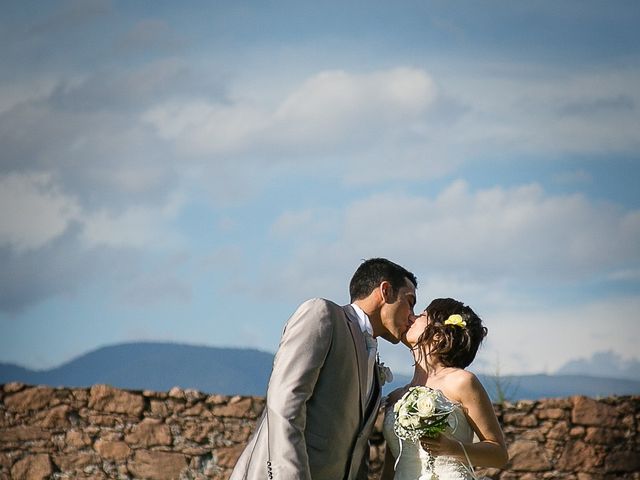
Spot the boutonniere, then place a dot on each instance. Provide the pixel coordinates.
(385, 375)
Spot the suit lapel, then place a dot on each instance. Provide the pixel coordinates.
(376, 396)
(361, 354)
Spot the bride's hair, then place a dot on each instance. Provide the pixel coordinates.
(454, 345)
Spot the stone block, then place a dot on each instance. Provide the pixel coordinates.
(105, 420)
(80, 395)
(577, 431)
(23, 434)
(199, 431)
(177, 393)
(7, 459)
(31, 399)
(154, 465)
(533, 434)
(520, 419)
(193, 395)
(159, 409)
(237, 407)
(13, 387)
(226, 457)
(75, 461)
(579, 456)
(32, 467)
(56, 418)
(149, 432)
(104, 398)
(194, 451)
(625, 461)
(604, 436)
(154, 394)
(587, 411)
(528, 456)
(551, 413)
(563, 403)
(77, 440)
(112, 450)
(217, 400)
(558, 431)
(197, 410)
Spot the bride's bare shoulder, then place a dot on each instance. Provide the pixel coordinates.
(461, 378)
(466, 385)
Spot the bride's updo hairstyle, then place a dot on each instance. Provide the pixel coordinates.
(455, 345)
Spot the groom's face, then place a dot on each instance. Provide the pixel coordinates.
(397, 312)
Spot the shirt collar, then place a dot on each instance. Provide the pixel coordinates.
(363, 320)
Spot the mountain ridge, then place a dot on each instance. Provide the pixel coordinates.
(160, 366)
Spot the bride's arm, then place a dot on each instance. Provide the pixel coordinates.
(491, 450)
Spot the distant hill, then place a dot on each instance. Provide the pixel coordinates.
(232, 371)
(534, 387)
(157, 366)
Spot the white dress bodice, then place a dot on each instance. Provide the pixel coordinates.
(408, 467)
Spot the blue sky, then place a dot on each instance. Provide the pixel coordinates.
(193, 171)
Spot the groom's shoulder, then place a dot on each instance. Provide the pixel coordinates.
(320, 303)
(320, 307)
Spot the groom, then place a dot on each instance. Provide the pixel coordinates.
(324, 391)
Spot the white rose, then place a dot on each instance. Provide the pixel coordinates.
(404, 410)
(404, 420)
(426, 406)
(414, 422)
(400, 403)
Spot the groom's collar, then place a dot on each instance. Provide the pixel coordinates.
(363, 319)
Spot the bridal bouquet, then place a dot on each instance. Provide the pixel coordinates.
(421, 412)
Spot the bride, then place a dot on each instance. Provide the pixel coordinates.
(444, 340)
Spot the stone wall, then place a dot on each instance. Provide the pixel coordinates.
(107, 433)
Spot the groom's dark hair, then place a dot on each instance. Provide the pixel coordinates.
(373, 272)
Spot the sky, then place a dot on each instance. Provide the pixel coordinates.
(192, 171)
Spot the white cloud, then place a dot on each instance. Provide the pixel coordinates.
(12, 94)
(407, 123)
(335, 104)
(497, 236)
(547, 338)
(535, 109)
(492, 249)
(604, 363)
(543, 339)
(33, 211)
(330, 108)
(136, 226)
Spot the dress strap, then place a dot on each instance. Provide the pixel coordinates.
(395, 465)
(470, 467)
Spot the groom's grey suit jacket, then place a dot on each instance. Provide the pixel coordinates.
(318, 415)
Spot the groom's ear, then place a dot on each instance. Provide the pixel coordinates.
(386, 292)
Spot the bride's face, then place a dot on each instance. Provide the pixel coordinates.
(416, 329)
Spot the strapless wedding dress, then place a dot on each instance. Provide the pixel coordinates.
(408, 467)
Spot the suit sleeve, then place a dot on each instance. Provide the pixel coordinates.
(303, 348)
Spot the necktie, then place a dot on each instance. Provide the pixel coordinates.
(372, 351)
